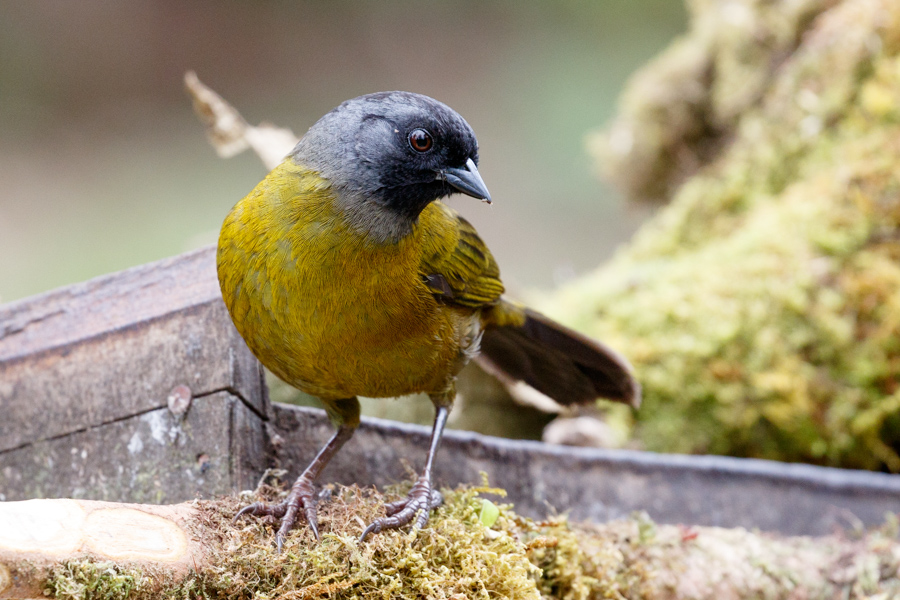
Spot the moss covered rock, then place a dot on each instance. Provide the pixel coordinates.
(761, 306)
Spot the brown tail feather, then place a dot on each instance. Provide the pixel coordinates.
(563, 364)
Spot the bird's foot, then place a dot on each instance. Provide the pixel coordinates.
(418, 504)
(301, 496)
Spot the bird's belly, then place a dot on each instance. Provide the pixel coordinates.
(359, 347)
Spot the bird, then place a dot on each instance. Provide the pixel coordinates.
(347, 276)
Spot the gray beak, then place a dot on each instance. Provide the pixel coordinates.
(467, 180)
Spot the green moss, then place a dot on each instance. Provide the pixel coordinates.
(761, 307)
(456, 556)
(684, 107)
(86, 579)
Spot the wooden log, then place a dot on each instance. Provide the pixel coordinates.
(38, 535)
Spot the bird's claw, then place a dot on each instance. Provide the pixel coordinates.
(418, 504)
(261, 509)
(301, 496)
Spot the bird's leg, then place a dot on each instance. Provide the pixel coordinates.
(345, 413)
(422, 498)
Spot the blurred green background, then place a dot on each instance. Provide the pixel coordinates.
(104, 165)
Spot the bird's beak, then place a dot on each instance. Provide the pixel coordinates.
(467, 180)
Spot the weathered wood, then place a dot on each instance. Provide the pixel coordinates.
(116, 346)
(136, 387)
(216, 447)
(88, 374)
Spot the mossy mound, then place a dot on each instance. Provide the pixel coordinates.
(456, 555)
(472, 548)
(761, 307)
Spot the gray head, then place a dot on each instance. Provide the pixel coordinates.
(388, 155)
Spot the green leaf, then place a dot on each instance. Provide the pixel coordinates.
(489, 513)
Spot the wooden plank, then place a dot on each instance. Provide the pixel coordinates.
(117, 346)
(216, 447)
(107, 303)
(88, 375)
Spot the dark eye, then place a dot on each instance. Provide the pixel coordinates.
(420, 140)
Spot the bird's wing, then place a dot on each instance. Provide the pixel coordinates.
(456, 264)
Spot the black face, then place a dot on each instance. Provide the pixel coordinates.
(406, 144)
(396, 150)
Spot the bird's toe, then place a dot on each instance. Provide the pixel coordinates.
(415, 508)
(301, 496)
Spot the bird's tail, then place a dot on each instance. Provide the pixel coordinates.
(523, 346)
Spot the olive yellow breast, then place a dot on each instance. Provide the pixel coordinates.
(327, 309)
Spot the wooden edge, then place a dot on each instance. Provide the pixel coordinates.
(107, 303)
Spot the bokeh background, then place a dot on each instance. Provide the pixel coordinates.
(104, 166)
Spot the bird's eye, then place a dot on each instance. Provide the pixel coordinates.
(420, 140)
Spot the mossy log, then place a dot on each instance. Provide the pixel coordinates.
(473, 548)
(128, 546)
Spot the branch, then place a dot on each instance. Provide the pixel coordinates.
(230, 134)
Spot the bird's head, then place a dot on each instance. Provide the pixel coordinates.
(392, 153)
